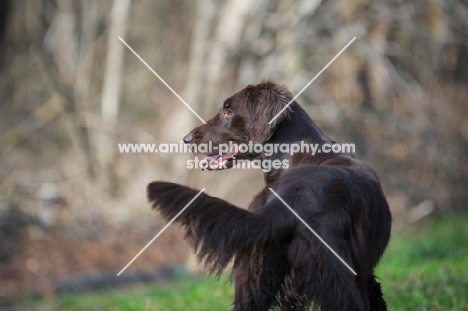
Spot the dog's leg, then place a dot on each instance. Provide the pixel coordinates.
(293, 307)
(249, 294)
(317, 275)
(293, 291)
(258, 278)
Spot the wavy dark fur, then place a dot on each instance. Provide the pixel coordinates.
(216, 236)
(277, 260)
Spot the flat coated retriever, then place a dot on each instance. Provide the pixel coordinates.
(277, 259)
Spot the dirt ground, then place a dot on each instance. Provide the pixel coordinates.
(39, 260)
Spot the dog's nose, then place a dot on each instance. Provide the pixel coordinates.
(188, 138)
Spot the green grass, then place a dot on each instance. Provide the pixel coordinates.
(182, 293)
(425, 268)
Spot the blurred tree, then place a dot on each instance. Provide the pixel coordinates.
(111, 87)
(69, 95)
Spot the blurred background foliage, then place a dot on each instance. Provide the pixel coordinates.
(71, 205)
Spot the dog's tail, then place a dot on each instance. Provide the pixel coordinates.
(218, 229)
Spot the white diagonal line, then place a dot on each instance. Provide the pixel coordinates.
(162, 80)
(157, 235)
(308, 227)
(313, 79)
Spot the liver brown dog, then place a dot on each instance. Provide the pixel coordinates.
(277, 259)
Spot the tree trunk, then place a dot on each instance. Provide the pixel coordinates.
(112, 85)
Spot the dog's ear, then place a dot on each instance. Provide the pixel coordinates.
(265, 103)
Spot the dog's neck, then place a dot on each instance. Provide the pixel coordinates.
(295, 128)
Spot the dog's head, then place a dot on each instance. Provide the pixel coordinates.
(243, 118)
